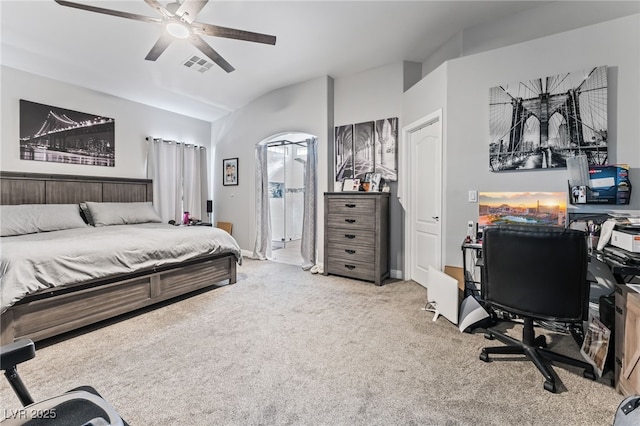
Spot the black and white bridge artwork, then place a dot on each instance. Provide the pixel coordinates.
(538, 124)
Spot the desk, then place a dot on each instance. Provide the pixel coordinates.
(619, 269)
(471, 284)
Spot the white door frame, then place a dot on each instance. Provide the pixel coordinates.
(405, 184)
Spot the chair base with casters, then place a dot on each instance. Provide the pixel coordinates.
(82, 406)
(533, 347)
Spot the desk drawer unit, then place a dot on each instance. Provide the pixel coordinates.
(356, 235)
(627, 341)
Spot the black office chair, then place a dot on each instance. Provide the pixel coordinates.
(538, 273)
(82, 406)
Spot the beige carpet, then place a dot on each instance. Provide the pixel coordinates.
(284, 347)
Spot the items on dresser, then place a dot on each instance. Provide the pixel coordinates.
(356, 241)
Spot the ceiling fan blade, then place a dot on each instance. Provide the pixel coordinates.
(161, 45)
(216, 31)
(190, 9)
(212, 54)
(159, 8)
(109, 12)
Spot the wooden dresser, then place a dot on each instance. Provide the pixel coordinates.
(356, 235)
(627, 342)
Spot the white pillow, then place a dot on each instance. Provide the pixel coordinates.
(104, 214)
(23, 219)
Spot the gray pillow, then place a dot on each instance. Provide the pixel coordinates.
(104, 214)
(23, 219)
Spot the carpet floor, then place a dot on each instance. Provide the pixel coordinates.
(285, 347)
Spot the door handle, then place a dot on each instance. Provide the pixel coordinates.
(436, 218)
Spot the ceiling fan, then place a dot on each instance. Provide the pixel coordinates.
(178, 18)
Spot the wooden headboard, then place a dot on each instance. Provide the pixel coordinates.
(35, 188)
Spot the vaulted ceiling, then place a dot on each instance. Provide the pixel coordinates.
(314, 38)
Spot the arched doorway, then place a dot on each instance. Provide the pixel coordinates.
(286, 199)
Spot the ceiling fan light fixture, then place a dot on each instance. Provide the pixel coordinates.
(178, 30)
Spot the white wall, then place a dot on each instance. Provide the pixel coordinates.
(304, 107)
(466, 113)
(133, 122)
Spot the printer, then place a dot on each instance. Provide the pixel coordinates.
(626, 239)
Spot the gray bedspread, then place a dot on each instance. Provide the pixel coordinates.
(33, 262)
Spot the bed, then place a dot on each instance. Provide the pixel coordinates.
(70, 288)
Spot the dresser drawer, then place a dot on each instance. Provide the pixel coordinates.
(356, 235)
(350, 221)
(344, 236)
(352, 206)
(351, 268)
(352, 252)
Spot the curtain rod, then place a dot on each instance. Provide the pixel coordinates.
(285, 142)
(147, 138)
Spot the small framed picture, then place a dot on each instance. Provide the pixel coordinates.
(230, 171)
(374, 185)
(351, 185)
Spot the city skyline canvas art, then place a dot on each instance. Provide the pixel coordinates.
(53, 134)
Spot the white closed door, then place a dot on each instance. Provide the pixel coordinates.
(425, 162)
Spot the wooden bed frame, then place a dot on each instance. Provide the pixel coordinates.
(50, 312)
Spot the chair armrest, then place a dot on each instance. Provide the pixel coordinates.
(16, 352)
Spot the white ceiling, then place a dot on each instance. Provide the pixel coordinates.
(314, 38)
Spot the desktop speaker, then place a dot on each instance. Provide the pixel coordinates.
(209, 206)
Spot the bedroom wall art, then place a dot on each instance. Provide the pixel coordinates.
(230, 170)
(367, 147)
(59, 135)
(539, 123)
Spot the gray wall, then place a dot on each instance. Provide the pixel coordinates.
(302, 107)
(548, 18)
(133, 122)
(368, 96)
(466, 82)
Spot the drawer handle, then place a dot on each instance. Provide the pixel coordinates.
(350, 251)
(619, 310)
(349, 236)
(350, 220)
(350, 267)
(350, 205)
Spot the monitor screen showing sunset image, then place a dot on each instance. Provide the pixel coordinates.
(522, 208)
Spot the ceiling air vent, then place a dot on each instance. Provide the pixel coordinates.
(197, 63)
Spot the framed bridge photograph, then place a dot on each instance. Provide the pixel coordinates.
(539, 123)
(59, 135)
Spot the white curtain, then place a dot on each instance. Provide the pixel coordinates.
(308, 242)
(262, 247)
(165, 166)
(195, 181)
(179, 174)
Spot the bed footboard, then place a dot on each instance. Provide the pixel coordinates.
(46, 314)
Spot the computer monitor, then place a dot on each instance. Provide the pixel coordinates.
(521, 208)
